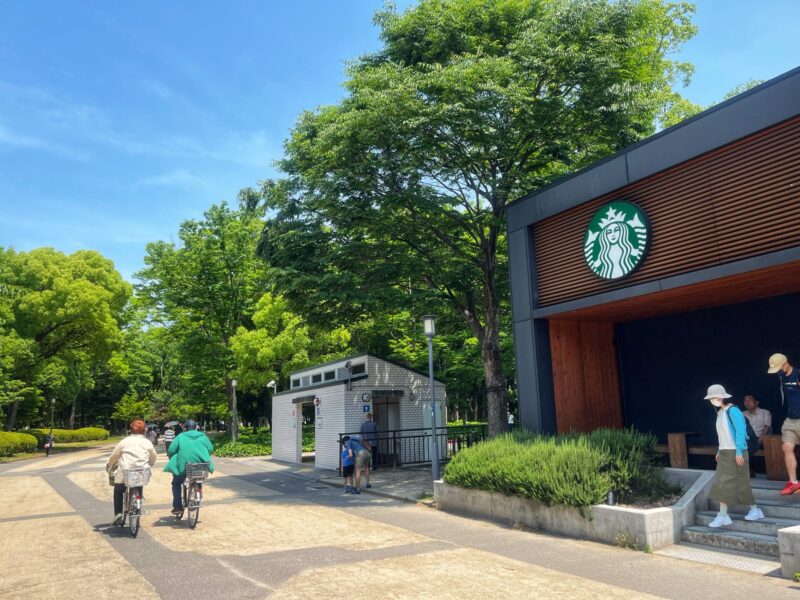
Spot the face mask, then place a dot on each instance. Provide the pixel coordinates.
(716, 402)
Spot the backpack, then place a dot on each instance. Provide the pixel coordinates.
(752, 438)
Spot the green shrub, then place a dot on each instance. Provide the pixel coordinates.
(573, 470)
(13, 443)
(257, 444)
(249, 444)
(64, 436)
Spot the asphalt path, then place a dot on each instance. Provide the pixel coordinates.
(267, 530)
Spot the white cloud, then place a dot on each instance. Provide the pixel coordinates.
(17, 140)
(157, 88)
(177, 178)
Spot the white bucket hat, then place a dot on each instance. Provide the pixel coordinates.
(716, 391)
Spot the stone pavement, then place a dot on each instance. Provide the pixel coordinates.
(268, 531)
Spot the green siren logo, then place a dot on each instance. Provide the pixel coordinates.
(616, 240)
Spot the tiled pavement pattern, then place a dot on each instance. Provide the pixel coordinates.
(267, 530)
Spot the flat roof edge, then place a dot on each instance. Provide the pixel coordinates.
(758, 108)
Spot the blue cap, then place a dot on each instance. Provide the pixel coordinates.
(191, 424)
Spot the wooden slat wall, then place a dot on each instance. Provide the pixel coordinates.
(585, 376)
(738, 201)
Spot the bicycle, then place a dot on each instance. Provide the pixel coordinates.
(196, 474)
(135, 480)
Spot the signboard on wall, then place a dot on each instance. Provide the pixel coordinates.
(366, 408)
(616, 240)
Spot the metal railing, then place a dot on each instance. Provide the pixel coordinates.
(403, 447)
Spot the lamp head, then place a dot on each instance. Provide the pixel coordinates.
(233, 382)
(271, 383)
(429, 325)
(347, 365)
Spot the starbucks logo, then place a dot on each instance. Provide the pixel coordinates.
(616, 240)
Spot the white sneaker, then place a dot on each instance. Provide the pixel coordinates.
(720, 520)
(754, 515)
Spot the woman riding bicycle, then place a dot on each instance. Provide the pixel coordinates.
(134, 452)
(191, 446)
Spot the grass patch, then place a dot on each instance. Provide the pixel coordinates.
(573, 470)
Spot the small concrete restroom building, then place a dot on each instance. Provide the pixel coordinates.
(336, 398)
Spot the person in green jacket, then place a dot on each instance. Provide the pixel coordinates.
(191, 446)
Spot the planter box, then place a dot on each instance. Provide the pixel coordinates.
(618, 525)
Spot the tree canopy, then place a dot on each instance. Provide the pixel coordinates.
(398, 193)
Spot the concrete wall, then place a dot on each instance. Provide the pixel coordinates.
(618, 525)
(286, 429)
(414, 404)
(330, 422)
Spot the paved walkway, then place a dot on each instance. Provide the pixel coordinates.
(268, 531)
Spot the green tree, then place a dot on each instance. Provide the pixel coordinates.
(205, 289)
(401, 189)
(56, 308)
(280, 343)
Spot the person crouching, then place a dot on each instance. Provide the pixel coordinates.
(732, 479)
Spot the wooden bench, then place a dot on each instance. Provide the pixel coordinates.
(679, 452)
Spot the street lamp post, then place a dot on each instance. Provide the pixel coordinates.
(52, 412)
(274, 387)
(234, 413)
(429, 327)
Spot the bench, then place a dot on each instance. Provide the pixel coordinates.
(679, 452)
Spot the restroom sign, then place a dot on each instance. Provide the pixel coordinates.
(366, 408)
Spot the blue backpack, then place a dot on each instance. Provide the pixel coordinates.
(752, 438)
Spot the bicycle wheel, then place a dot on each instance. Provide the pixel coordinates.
(134, 511)
(193, 504)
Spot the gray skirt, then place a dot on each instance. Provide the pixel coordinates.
(732, 482)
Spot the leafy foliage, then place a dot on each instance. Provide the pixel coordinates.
(61, 317)
(15, 443)
(63, 436)
(257, 444)
(396, 197)
(573, 470)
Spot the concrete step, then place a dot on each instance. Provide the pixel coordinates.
(766, 484)
(767, 526)
(732, 559)
(762, 493)
(754, 543)
(771, 508)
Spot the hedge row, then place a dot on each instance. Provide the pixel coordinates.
(14, 443)
(63, 436)
(573, 470)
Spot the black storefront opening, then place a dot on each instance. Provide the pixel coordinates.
(666, 363)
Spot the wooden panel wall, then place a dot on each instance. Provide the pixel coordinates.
(738, 201)
(585, 376)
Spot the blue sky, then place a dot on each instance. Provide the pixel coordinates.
(120, 120)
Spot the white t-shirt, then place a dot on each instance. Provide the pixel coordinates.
(724, 433)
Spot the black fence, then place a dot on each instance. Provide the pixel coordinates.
(403, 447)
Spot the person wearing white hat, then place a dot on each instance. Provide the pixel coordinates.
(732, 478)
(790, 431)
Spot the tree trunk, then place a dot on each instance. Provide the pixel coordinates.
(72, 412)
(11, 421)
(234, 412)
(496, 405)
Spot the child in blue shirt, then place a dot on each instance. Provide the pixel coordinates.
(348, 465)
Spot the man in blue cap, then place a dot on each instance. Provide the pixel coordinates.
(191, 446)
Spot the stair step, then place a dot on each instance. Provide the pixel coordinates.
(766, 484)
(754, 543)
(732, 559)
(767, 526)
(771, 508)
(774, 494)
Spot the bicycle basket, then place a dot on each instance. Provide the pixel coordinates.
(136, 477)
(197, 470)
